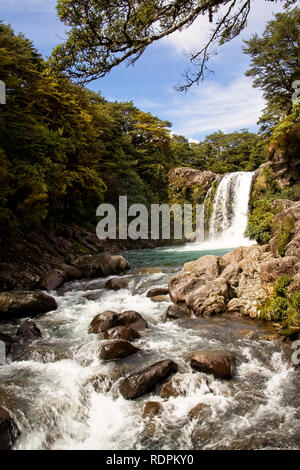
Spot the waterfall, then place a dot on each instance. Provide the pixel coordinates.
(229, 217)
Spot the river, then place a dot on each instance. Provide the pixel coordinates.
(65, 397)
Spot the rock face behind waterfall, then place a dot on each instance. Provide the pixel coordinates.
(184, 181)
(239, 281)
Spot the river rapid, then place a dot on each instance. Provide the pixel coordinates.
(65, 397)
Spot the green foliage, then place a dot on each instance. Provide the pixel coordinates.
(284, 234)
(102, 35)
(283, 306)
(222, 153)
(265, 190)
(63, 149)
(275, 65)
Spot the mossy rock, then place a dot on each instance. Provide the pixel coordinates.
(291, 333)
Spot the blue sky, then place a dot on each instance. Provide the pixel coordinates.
(225, 101)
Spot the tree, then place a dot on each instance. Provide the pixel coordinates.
(63, 148)
(102, 34)
(275, 61)
(224, 153)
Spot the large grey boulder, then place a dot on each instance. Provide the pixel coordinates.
(19, 304)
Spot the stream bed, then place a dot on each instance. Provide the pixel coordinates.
(64, 397)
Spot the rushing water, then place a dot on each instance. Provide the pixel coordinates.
(53, 391)
(64, 397)
(230, 210)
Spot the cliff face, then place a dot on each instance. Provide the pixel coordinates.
(189, 185)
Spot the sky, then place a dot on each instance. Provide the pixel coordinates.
(225, 101)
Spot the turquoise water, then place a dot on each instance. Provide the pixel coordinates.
(168, 256)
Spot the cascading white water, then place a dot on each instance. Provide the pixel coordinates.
(229, 218)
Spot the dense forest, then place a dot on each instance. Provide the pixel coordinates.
(65, 149)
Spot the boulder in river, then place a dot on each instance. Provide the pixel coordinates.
(144, 381)
(71, 272)
(117, 349)
(151, 409)
(117, 283)
(174, 312)
(9, 341)
(158, 291)
(115, 264)
(101, 264)
(220, 364)
(29, 331)
(18, 304)
(132, 319)
(104, 321)
(122, 332)
(9, 431)
(199, 412)
(53, 279)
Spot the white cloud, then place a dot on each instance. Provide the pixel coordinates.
(196, 35)
(213, 107)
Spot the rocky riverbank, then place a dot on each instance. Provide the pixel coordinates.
(46, 259)
(243, 281)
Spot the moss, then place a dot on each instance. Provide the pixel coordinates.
(282, 306)
(291, 333)
(261, 219)
(284, 234)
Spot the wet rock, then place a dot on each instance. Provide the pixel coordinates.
(72, 273)
(198, 281)
(18, 304)
(142, 285)
(53, 279)
(117, 283)
(88, 265)
(199, 412)
(174, 312)
(116, 264)
(212, 306)
(93, 296)
(122, 332)
(9, 431)
(158, 291)
(101, 264)
(132, 319)
(247, 333)
(9, 341)
(29, 331)
(291, 333)
(242, 307)
(42, 352)
(101, 383)
(117, 350)
(220, 364)
(144, 381)
(160, 298)
(171, 388)
(152, 409)
(104, 321)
